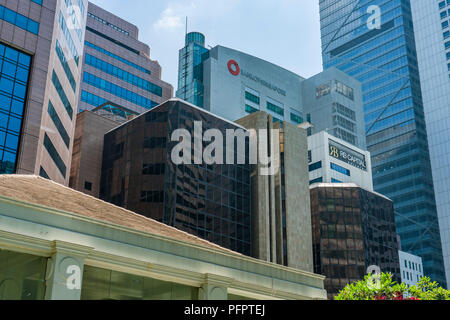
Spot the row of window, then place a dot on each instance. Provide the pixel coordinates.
(253, 98)
(71, 44)
(19, 20)
(335, 167)
(58, 124)
(344, 111)
(275, 108)
(123, 75)
(62, 95)
(335, 86)
(108, 24)
(104, 36)
(65, 65)
(340, 169)
(72, 15)
(112, 55)
(413, 266)
(409, 276)
(92, 99)
(118, 91)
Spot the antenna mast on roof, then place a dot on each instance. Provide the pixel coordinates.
(186, 25)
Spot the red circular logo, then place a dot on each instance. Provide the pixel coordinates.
(233, 67)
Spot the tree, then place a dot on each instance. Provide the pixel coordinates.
(382, 287)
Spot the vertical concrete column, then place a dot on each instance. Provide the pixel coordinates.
(214, 288)
(65, 271)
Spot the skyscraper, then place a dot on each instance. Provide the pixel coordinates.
(117, 66)
(432, 32)
(41, 43)
(373, 41)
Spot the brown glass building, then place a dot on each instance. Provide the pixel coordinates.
(210, 201)
(352, 229)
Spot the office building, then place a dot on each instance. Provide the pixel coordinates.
(41, 44)
(87, 157)
(233, 84)
(332, 102)
(117, 66)
(210, 200)
(353, 229)
(332, 160)
(377, 47)
(120, 255)
(432, 33)
(280, 201)
(411, 268)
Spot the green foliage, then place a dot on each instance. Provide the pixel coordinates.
(384, 288)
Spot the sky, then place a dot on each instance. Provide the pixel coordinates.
(284, 32)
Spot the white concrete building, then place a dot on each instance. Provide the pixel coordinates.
(332, 160)
(50, 233)
(411, 268)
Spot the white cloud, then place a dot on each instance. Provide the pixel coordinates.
(168, 20)
(173, 17)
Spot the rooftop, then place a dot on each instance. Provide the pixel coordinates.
(39, 191)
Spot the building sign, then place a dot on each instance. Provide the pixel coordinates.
(233, 67)
(235, 70)
(347, 155)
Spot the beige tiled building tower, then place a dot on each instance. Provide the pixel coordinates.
(42, 45)
(281, 202)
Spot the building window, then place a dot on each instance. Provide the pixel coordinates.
(123, 75)
(43, 174)
(88, 185)
(296, 119)
(65, 65)
(14, 72)
(340, 169)
(323, 90)
(315, 166)
(112, 55)
(250, 109)
(318, 180)
(19, 20)
(118, 91)
(54, 155)
(333, 180)
(62, 95)
(275, 108)
(444, 24)
(68, 37)
(58, 124)
(253, 98)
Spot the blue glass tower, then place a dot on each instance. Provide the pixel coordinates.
(190, 69)
(14, 73)
(373, 41)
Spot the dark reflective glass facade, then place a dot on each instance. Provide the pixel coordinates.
(352, 230)
(14, 74)
(385, 61)
(210, 201)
